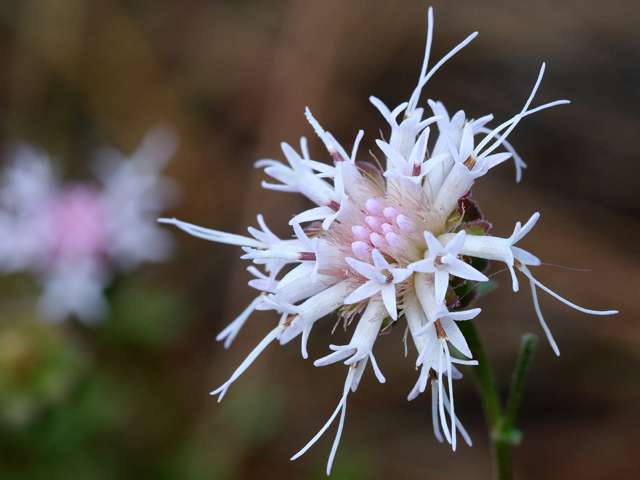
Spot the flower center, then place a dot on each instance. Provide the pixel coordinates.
(384, 276)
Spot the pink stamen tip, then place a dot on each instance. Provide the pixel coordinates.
(404, 222)
(390, 213)
(377, 240)
(307, 256)
(392, 238)
(361, 250)
(386, 228)
(360, 232)
(373, 222)
(373, 206)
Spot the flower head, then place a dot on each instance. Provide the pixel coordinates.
(384, 244)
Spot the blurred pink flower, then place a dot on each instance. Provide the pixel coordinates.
(74, 237)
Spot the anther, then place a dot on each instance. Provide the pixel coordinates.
(440, 330)
(333, 205)
(470, 162)
(288, 321)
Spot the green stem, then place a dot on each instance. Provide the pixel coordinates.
(527, 351)
(483, 374)
(501, 431)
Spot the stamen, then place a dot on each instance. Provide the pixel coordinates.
(356, 144)
(460, 46)
(443, 418)
(434, 409)
(533, 282)
(214, 235)
(452, 415)
(341, 407)
(427, 52)
(252, 254)
(231, 330)
(463, 431)
(271, 336)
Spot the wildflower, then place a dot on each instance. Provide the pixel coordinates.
(403, 242)
(73, 237)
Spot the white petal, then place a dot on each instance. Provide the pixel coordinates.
(433, 244)
(465, 314)
(454, 335)
(423, 266)
(525, 257)
(400, 274)
(214, 235)
(317, 213)
(365, 269)
(366, 290)
(378, 260)
(461, 269)
(454, 246)
(466, 143)
(389, 298)
(441, 283)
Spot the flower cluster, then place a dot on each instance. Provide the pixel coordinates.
(406, 241)
(72, 237)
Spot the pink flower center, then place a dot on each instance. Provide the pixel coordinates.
(74, 224)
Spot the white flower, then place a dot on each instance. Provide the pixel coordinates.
(73, 237)
(360, 347)
(381, 278)
(501, 249)
(436, 361)
(378, 228)
(444, 261)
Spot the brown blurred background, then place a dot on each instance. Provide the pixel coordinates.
(130, 399)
